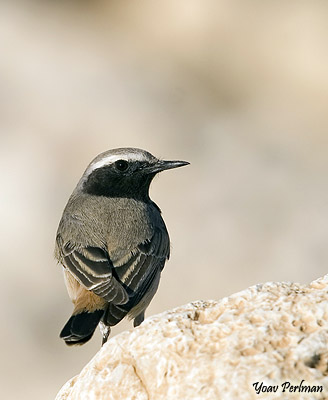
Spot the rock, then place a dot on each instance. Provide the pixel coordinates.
(271, 338)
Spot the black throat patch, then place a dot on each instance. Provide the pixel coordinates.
(109, 183)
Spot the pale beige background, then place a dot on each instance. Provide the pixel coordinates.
(238, 88)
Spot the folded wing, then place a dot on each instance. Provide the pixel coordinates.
(92, 267)
(143, 264)
(124, 282)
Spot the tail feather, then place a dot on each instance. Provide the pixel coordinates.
(80, 327)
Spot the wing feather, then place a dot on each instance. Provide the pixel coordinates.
(127, 281)
(94, 273)
(147, 259)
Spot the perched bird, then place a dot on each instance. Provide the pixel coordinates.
(112, 242)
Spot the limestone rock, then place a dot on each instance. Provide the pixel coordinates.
(271, 333)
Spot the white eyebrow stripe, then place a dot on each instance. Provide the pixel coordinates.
(115, 157)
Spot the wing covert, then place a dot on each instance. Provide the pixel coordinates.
(145, 262)
(93, 269)
(127, 280)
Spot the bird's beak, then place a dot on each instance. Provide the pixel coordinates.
(162, 165)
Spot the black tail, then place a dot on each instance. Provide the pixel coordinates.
(80, 327)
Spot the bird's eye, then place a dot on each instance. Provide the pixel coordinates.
(121, 165)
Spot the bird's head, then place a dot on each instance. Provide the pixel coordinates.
(123, 172)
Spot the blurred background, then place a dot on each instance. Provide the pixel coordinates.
(238, 88)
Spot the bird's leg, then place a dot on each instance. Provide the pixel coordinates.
(105, 332)
(139, 319)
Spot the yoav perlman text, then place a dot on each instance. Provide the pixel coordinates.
(286, 387)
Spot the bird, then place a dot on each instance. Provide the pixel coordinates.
(112, 242)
